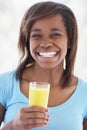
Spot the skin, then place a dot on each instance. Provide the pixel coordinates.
(85, 124)
(47, 36)
(48, 46)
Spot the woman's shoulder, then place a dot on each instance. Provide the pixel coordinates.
(8, 74)
(82, 84)
(7, 78)
(82, 81)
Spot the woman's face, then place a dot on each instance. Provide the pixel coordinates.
(49, 41)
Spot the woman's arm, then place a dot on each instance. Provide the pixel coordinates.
(2, 112)
(85, 124)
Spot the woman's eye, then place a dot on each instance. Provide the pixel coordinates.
(55, 35)
(36, 36)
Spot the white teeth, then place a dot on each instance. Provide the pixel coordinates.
(47, 54)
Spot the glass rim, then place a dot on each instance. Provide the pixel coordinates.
(36, 82)
(40, 83)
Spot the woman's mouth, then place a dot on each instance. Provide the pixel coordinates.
(48, 54)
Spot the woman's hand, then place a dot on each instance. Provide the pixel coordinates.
(31, 117)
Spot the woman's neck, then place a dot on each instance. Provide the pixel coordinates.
(36, 73)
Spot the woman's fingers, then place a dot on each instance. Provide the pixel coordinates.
(33, 121)
(32, 116)
(34, 108)
(27, 127)
(33, 112)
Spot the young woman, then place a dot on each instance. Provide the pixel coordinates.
(48, 44)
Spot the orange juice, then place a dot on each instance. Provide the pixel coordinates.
(38, 94)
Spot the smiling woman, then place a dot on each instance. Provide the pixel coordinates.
(48, 39)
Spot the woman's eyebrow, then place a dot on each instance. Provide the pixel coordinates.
(52, 29)
(56, 29)
(35, 30)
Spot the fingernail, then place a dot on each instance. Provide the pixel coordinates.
(46, 110)
(46, 121)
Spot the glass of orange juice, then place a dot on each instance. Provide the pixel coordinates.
(39, 94)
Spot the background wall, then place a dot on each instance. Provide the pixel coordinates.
(11, 13)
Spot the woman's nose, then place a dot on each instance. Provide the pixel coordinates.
(46, 43)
